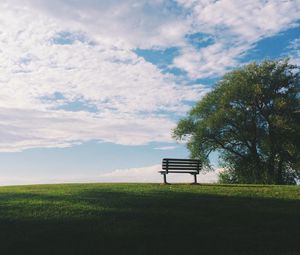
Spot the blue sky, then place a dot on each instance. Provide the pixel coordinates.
(90, 90)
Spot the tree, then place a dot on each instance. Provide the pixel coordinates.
(252, 118)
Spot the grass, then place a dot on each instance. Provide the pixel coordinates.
(149, 219)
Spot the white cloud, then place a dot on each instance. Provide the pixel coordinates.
(147, 174)
(45, 66)
(236, 26)
(103, 74)
(55, 54)
(151, 174)
(165, 148)
(22, 129)
(211, 61)
(129, 23)
(294, 51)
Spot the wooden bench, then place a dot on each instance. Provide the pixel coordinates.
(180, 166)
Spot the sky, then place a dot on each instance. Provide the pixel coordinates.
(90, 90)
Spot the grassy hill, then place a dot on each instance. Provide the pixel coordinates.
(149, 219)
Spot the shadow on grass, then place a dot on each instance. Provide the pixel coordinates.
(108, 221)
(248, 186)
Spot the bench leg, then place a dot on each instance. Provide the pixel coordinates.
(165, 179)
(195, 178)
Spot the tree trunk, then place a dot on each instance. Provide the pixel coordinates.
(279, 177)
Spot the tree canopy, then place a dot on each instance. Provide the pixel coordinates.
(252, 119)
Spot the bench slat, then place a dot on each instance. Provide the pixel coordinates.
(178, 159)
(181, 168)
(180, 163)
(184, 172)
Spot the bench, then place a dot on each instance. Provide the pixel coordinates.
(180, 166)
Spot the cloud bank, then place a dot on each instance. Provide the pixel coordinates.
(69, 71)
(60, 86)
(148, 174)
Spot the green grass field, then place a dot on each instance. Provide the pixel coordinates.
(149, 219)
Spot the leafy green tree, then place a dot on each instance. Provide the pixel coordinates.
(252, 119)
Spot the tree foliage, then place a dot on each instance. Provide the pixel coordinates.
(252, 118)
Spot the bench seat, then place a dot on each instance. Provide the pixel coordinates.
(181, 166)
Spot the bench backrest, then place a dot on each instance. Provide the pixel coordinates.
(181, 165)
